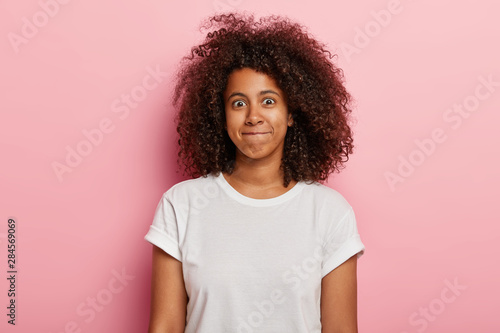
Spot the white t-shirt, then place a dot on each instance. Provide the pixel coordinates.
(254, 265)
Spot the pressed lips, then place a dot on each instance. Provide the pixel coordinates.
(255, 133)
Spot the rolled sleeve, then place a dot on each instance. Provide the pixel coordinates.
(341, 244)
(163, 232)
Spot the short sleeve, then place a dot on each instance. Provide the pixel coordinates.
(163, 232)
(342, 242)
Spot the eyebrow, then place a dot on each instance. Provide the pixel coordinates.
(263, 92)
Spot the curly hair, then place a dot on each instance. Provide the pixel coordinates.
(319, 141)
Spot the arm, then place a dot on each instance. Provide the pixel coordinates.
(168, 294)
(339, 299)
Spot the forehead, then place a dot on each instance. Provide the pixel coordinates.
(250, 81)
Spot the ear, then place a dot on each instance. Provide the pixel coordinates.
(290, 120)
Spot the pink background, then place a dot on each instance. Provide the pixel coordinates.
(436, 224)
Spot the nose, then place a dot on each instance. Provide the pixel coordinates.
(254, 116)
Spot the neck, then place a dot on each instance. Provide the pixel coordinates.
(261, 173)
(258, 179)
(256, 174)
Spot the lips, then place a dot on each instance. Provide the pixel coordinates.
(255, 133)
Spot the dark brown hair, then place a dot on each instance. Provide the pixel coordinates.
(320, 140)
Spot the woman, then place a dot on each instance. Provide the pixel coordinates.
(254, 243)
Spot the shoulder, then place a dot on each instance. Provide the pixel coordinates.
(190, 188)
(333, 214)
(325, 195)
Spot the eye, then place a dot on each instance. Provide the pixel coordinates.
(238, 103)
(269, 101)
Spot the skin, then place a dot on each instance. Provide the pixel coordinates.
(168, 294)
(257, 120)
(339, 299)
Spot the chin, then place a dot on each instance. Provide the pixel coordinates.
(255, 156)
(253, 153)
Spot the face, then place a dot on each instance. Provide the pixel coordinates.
(256, 115)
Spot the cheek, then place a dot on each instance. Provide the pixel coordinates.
(230, 122)
(280, 122)
(232, 126)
